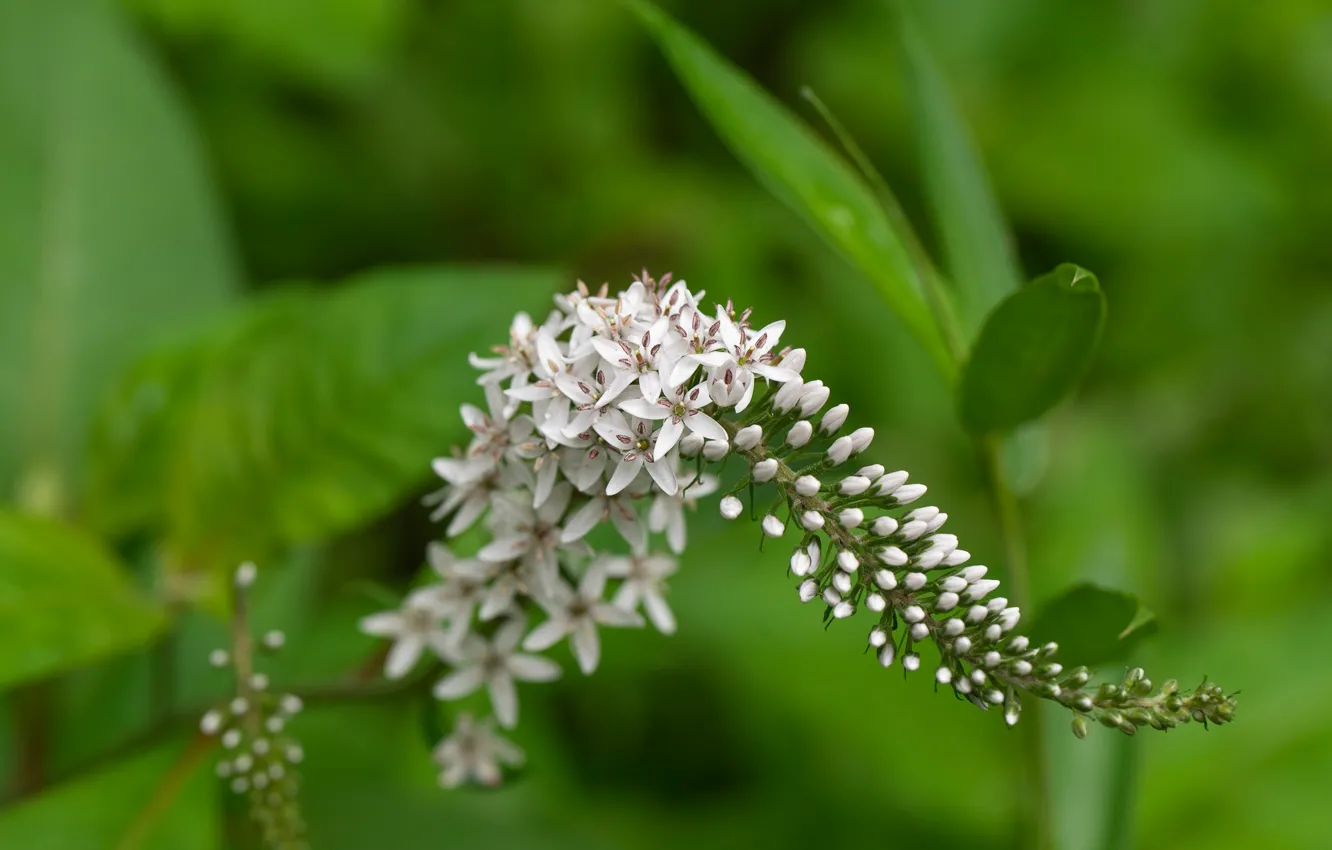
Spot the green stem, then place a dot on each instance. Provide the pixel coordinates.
(1117, 831)
(1038, 813)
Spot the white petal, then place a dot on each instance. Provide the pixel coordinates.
(650, 384)
(612, 616)
(504, 549)
(459, 683)
(625, 473)
(508, 636)
(533, 668)
(583, 520)
(662, 473)
(402, 657)
(659, 612)
(644, 409)
(504, 699)
(701, 423)
(546, 635)
(668, 436)
(586, 647)
(383, 624)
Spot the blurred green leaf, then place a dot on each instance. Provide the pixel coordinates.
(797, 167)
(1032, 351)
(95, 811)
(1093, 625)
(977, 246)
(312, 414)
(324, 40)
(64, 601)
(110, 235)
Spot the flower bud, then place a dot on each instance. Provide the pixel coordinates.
(842, 582)
(813, 398)
(765, 470)
(977, 613)
(811, 520)
(954, 584)
(876, 603)
(808, 589)
(924, 514)
(884, 526)
(793, 360)
(831, 596)
(914, 581)
(912, 530)
(877, 637)
(947, 602)
(853, 485)
(860, 439)
(885, 579)
(919, 631)
(245, 574)
(715, 450)
(992, 658)
(800, 563)
(799, 434)
(873, 471)
(957, 558)
(842, 610)
(908, 493)
(839, 451)
(788, 396)
(911, 661)
(219, 658)
(731, 507)
(847, 561)
(887, 654)
(748, 437)
(913, 614)
(954, 627)
(889, 483)
(773, 527)
(691, 444)
(892, 556)
(851, 517)
(974, 573)
(981, 589)
(805, 485)
(211, 722)
(833, 420)
(943, 675)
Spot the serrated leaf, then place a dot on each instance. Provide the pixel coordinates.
(313, 414)
(797, 167)
(1032, 350)
(64, 601)
(1094, 625)
(110, 236)
(978, 249)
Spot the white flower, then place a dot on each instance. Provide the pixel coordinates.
(619, 509)
(530, 535)
(633, 438)
(516, 359)
(681, 408)
(655, 352)
(752, 350)
(667, 511)
(577, 614)
(496, 665)
(467, 583)
(731, 386)
(702, 345)
(591, 394)
(415, 626)
(474, 753)
(643, 576)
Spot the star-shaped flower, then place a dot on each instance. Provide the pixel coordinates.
(496, 665)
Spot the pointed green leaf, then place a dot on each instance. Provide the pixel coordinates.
(1032, 351)
(1093, 625)
(109, 232)
(64, 602)
(310, 415)
(95, 811)
(978, 248)
(797, 167)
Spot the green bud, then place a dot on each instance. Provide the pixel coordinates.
(1080, 726)
(1170, 687)
(1143, 687)
(1111, 719)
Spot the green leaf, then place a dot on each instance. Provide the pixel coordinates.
(310, 414)
(64, 602)
(978, 248)
(1032, 351)
(110, 236)
(797, 167)
(1093, 625)
(95, 811)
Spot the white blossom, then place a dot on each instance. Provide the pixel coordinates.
(496, 665)
(576, 613)
(474, 753)
(416, 626)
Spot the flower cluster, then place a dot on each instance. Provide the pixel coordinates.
(609, 410)
(260, 757)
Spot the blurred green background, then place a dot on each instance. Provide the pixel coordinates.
(207, 151)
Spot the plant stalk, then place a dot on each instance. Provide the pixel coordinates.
(1037, 806)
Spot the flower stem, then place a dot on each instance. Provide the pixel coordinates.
(1038, 812)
